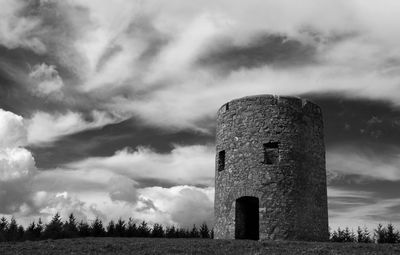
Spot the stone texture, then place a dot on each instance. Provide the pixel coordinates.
(274, 151)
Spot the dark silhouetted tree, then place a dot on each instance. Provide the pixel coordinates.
(120, 228)
(392, 235)
(39, 229)
(387, 234)
(194, 233)
(157, 231)
(182, 233)
(380, 234)
(30, 232)
(20, 233)
(131, 230)
(3, 229)
(97, 229)
(54, 229)
(111, 228)
(363, 235)
(83, 229)
(170, 232)
(70, 227)
(143, 230)
(12, 231)
(204, 231)
(343, 235)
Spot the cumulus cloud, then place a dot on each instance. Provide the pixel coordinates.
(182, 205)
(12, 130)
(17, 165)
(172, 188)
(46, 81)
(44, 128)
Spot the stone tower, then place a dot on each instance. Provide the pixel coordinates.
(270, 177)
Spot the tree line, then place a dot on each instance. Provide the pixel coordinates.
(381, 234)
(71, 228)
(11, 231)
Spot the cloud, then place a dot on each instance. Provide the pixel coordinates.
(192, 165)
(170, 188)
(12, 130)
(46, 81)
(364, 163)
(17, 31)
(183, 205)
(359, 208)
(44, 128)
(122, 189)
(172, 65)
(17, 165)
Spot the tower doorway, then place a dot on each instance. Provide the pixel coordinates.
(247, 218)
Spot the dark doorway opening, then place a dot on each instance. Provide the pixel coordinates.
(247, 218)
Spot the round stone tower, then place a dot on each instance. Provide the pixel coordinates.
(270, 178)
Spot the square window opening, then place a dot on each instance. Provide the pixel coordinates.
(271, 153)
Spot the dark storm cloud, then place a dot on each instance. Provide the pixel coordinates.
(374, 124)
(105, 141)
(269, 49)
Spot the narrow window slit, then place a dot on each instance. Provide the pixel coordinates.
(221, 160)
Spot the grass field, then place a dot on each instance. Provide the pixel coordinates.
(189, 246)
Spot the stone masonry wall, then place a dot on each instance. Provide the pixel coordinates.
(274, 150)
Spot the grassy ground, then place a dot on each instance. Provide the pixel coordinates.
(188, 246)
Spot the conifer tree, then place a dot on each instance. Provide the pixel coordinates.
(83, 229)
(120, 228)
(70, 227)
(54, 229)
(39, 229)
(131, 230)
(30, 231)
(157, 231)
(170, 232)
(363, 235)
(380, 234)
(3, 229)
(204, 232)
(12, 231)
(194, 233)
(97, 228)
(143, 230)
(392, 236)
(111, 228)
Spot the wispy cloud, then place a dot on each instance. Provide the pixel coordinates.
(191, 165)
(347, 160)
(44, 128)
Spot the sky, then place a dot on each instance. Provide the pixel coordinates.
(107, 108)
